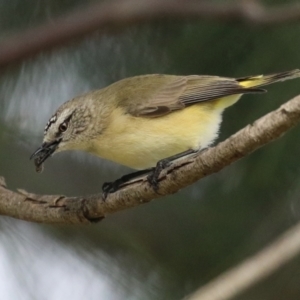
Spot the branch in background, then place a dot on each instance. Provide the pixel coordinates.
(75, 210)
(254, 269)
(118, 14)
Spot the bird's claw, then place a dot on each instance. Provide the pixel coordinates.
(153, 178)
(110, 187)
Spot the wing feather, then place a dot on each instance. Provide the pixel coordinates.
(169, 93)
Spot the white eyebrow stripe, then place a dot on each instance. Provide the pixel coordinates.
(50, 122)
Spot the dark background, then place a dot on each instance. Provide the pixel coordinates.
(171, 246)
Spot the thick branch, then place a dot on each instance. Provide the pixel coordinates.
(118, 14)
(61, 209)
(254, 269)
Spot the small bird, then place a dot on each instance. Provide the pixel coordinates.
(146, 122)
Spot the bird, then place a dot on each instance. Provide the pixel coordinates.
(146, 122)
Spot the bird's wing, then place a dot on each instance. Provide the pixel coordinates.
(179, 92)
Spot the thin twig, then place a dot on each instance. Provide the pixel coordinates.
(254, 269)
(119, 14)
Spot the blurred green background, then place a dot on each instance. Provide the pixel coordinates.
(171, 246)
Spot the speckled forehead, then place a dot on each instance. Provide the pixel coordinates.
(50, 122)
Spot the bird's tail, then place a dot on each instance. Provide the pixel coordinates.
(260, 80)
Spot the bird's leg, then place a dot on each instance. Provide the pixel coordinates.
(164, 163)
(111, 187)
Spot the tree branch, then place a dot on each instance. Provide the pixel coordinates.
(72, 210)
(254, 269)
(118, 14)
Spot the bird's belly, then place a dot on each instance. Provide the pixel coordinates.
(140, 143)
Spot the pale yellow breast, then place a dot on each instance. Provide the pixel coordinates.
(140, 143)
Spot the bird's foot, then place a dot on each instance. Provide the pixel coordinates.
(112, 187)
(154, 176)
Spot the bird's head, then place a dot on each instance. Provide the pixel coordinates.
(65, 130)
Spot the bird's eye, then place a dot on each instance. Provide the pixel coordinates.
(63, 127)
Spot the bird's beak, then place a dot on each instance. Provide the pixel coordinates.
(45, 151)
